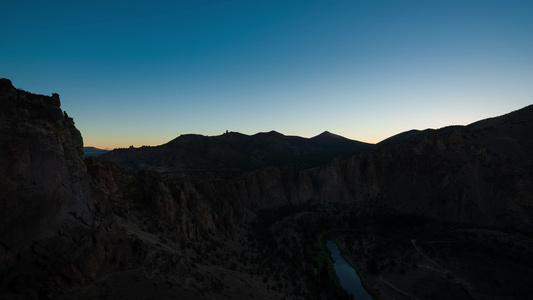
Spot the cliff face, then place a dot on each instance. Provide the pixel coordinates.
(55, 230)
(452, 175)
(478, 174)
(60, 228)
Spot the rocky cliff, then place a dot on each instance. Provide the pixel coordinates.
(437, 209)
(124, 234)
(55, 231)
(480, 173)
(477, 174)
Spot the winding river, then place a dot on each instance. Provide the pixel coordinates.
(349, 279)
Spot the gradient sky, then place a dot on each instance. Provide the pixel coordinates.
(144, 72)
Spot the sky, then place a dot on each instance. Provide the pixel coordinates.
(144, 72)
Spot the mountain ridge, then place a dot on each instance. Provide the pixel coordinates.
(456, 173)
(461, 196)
(237, 151)
(93, 151)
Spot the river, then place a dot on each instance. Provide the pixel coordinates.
(349, 279)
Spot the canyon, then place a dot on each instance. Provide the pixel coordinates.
(239, 217)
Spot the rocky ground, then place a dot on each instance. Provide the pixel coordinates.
(270, 258)
(436, 214)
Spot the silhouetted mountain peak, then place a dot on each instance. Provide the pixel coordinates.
(93, 151)
(5, 83)
(271, 133)
(328, 135)
(90, 148)
(461, 195)
(236, 151)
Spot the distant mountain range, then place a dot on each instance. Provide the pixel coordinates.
(236, 152)
(436, 213)
(93, 151)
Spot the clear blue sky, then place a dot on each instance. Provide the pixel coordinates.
(144, 72)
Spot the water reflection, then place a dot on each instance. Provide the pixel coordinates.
(349, 279)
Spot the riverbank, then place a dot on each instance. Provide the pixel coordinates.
(347, 274)
(363, 275)
(322, 254)
(436, 260)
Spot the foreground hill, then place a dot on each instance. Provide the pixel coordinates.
(235, 152)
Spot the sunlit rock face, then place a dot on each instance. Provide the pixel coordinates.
(54, 229)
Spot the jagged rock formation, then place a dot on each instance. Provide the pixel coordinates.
(55, 231)
(477, 174)
(178, 223)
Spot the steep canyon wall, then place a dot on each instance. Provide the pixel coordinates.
(55, 229)
(479, 174)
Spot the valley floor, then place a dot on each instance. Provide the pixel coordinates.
(439, 261)
(278, 257)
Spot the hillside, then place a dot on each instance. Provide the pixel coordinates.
(93, 151)
(233, 153)
(455, 185)
(444, 213)
(481, 172)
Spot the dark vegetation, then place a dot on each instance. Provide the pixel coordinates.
(396, 254)
(438, 214)
(293, 237)
(450, 248)
(428, 259)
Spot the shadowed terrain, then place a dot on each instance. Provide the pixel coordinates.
(234, 153)
(92, 151)
(427, 214)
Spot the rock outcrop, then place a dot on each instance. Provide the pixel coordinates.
(55, 229)
(61, 230)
